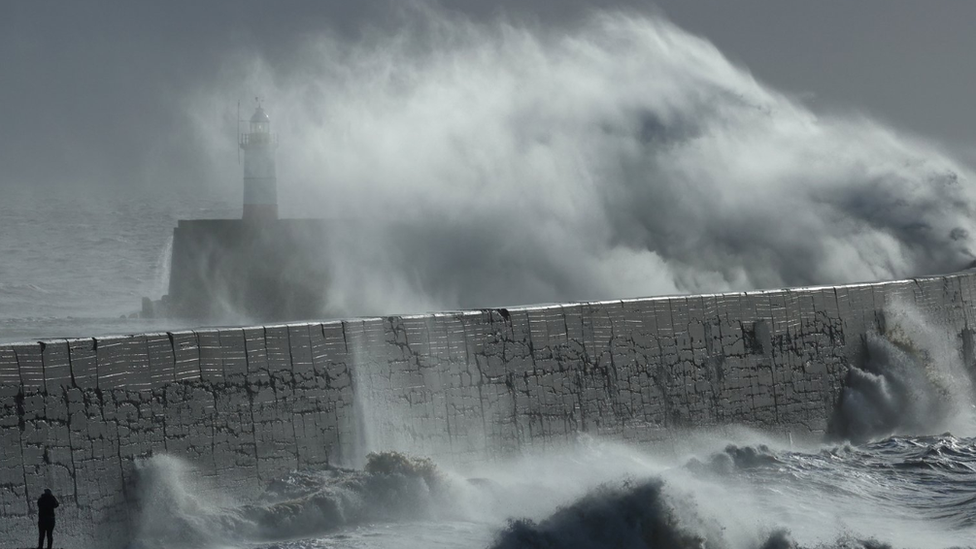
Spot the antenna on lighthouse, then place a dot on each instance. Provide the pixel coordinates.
(238, 131)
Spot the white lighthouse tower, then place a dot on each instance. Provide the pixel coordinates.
(260, 182)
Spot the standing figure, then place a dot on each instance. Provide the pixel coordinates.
(46, 504)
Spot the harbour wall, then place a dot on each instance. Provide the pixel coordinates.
(251, 403)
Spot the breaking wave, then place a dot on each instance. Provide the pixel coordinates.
(638, 516)
(889, 393)
(478, 164)
(898, 492)
(910, 380)
(174, 512)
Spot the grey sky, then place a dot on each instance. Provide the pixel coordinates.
(92, 90)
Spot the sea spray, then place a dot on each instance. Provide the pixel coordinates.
(162, 270)
(172, 511)
(888, 393)
(496, 163)
(942, 354)
(909, 380)
(899, 492)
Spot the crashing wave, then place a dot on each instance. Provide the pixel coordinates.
(642, 515)
(391, 487)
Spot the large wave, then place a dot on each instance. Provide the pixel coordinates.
(496, 163)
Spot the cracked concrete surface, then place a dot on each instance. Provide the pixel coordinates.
(246, 403)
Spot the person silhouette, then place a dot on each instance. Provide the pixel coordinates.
(46, 504)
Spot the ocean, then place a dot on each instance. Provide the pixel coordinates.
(897, 492)
(77, 262)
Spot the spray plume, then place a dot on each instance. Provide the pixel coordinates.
(476, 164)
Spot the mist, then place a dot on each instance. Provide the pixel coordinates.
(500, 163)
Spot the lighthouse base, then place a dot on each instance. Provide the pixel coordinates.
(235, 270)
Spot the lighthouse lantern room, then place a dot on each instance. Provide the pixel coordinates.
(260, 182)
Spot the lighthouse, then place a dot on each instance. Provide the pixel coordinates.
(260, 267)
(260, 182)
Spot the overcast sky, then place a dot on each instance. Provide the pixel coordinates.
(93, 91)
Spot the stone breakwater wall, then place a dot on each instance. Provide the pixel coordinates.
(251, 403)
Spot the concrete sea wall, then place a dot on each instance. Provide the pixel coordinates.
(251, 403)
